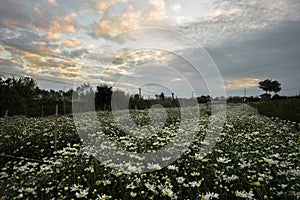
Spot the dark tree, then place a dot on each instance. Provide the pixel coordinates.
(269, 86)
(17, 95)
(203, 99)
(276, 86)
(162, 96)
(103, 97)
(265, 85)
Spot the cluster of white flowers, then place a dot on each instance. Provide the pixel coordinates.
(256, 157)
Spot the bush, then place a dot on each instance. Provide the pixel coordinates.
(288, 108)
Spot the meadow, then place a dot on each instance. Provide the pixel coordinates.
(255, 157)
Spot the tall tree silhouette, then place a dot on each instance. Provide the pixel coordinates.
(103, 97)
(270, 86)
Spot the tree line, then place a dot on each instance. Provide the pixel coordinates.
(22, 96)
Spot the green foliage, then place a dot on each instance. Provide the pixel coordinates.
(23, 97)
(203, 99)
(140, 103)
(288, 109)
(103, 97)
(270, 86)
(235, 99)
(17, 95)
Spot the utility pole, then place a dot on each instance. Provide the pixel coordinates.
(244, 99)
(140, 92)
(64, 102)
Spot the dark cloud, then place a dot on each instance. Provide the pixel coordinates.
(273, 53)
(79, 53)
(22, 40)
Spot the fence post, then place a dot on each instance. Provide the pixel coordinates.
(42, 110)
(4, 123)
(56, 126)
(65, 110)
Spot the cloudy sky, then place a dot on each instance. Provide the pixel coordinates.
(187, 47)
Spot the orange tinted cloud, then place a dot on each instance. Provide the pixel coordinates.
(52, 36)
(111, 26)
(158, 10)
(65, 24)
(242, 83)
(103, 6)
(53, 2)
(218, 13)
(72, 42)
(129, 19)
